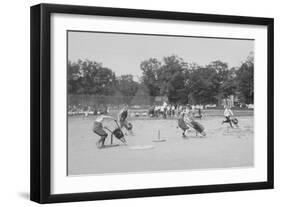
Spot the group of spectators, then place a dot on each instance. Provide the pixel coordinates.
(86, 110)
(156, 111)
(171, 111)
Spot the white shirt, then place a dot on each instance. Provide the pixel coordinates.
(101, 118)
(228, 112)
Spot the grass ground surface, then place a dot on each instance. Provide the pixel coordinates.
(221, 148)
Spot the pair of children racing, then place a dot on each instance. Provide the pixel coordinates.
(98, 127)
(186, 120)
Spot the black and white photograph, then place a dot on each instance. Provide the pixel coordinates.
(144, 103)
(131, 103)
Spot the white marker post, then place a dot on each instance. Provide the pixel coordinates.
(159, 138)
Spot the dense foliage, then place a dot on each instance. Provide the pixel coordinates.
(180, 81)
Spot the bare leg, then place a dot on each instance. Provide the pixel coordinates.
(124, 141)
(227, 121)
(131, 132)
(101, 141)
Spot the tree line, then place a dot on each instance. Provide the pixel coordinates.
(180, 81)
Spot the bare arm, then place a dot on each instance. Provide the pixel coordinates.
(109, 117)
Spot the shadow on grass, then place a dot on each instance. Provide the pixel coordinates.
(24, 195)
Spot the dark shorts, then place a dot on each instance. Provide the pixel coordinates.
(98, 129)
(227, 119)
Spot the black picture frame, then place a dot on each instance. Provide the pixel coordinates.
(40, 176)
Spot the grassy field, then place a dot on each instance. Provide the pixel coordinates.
(221, 148)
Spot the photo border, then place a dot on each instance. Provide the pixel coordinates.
(40, 157)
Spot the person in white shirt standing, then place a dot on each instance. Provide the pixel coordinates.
(227, 114)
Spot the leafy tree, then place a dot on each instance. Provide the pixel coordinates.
(245, 80)
(102, 83)
(181, 82)
(229, 85)
(167, 79)
(87, 77)
(127, 86)
(221, 68)
(177, 90)
(142, 96)
(72, 77)
(172, 67)
(150, 69)
(203, 85)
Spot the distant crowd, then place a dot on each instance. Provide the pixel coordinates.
(155, 111)
(86, 110)
(171, 111)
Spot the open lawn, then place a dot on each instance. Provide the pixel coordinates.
(221, 148)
